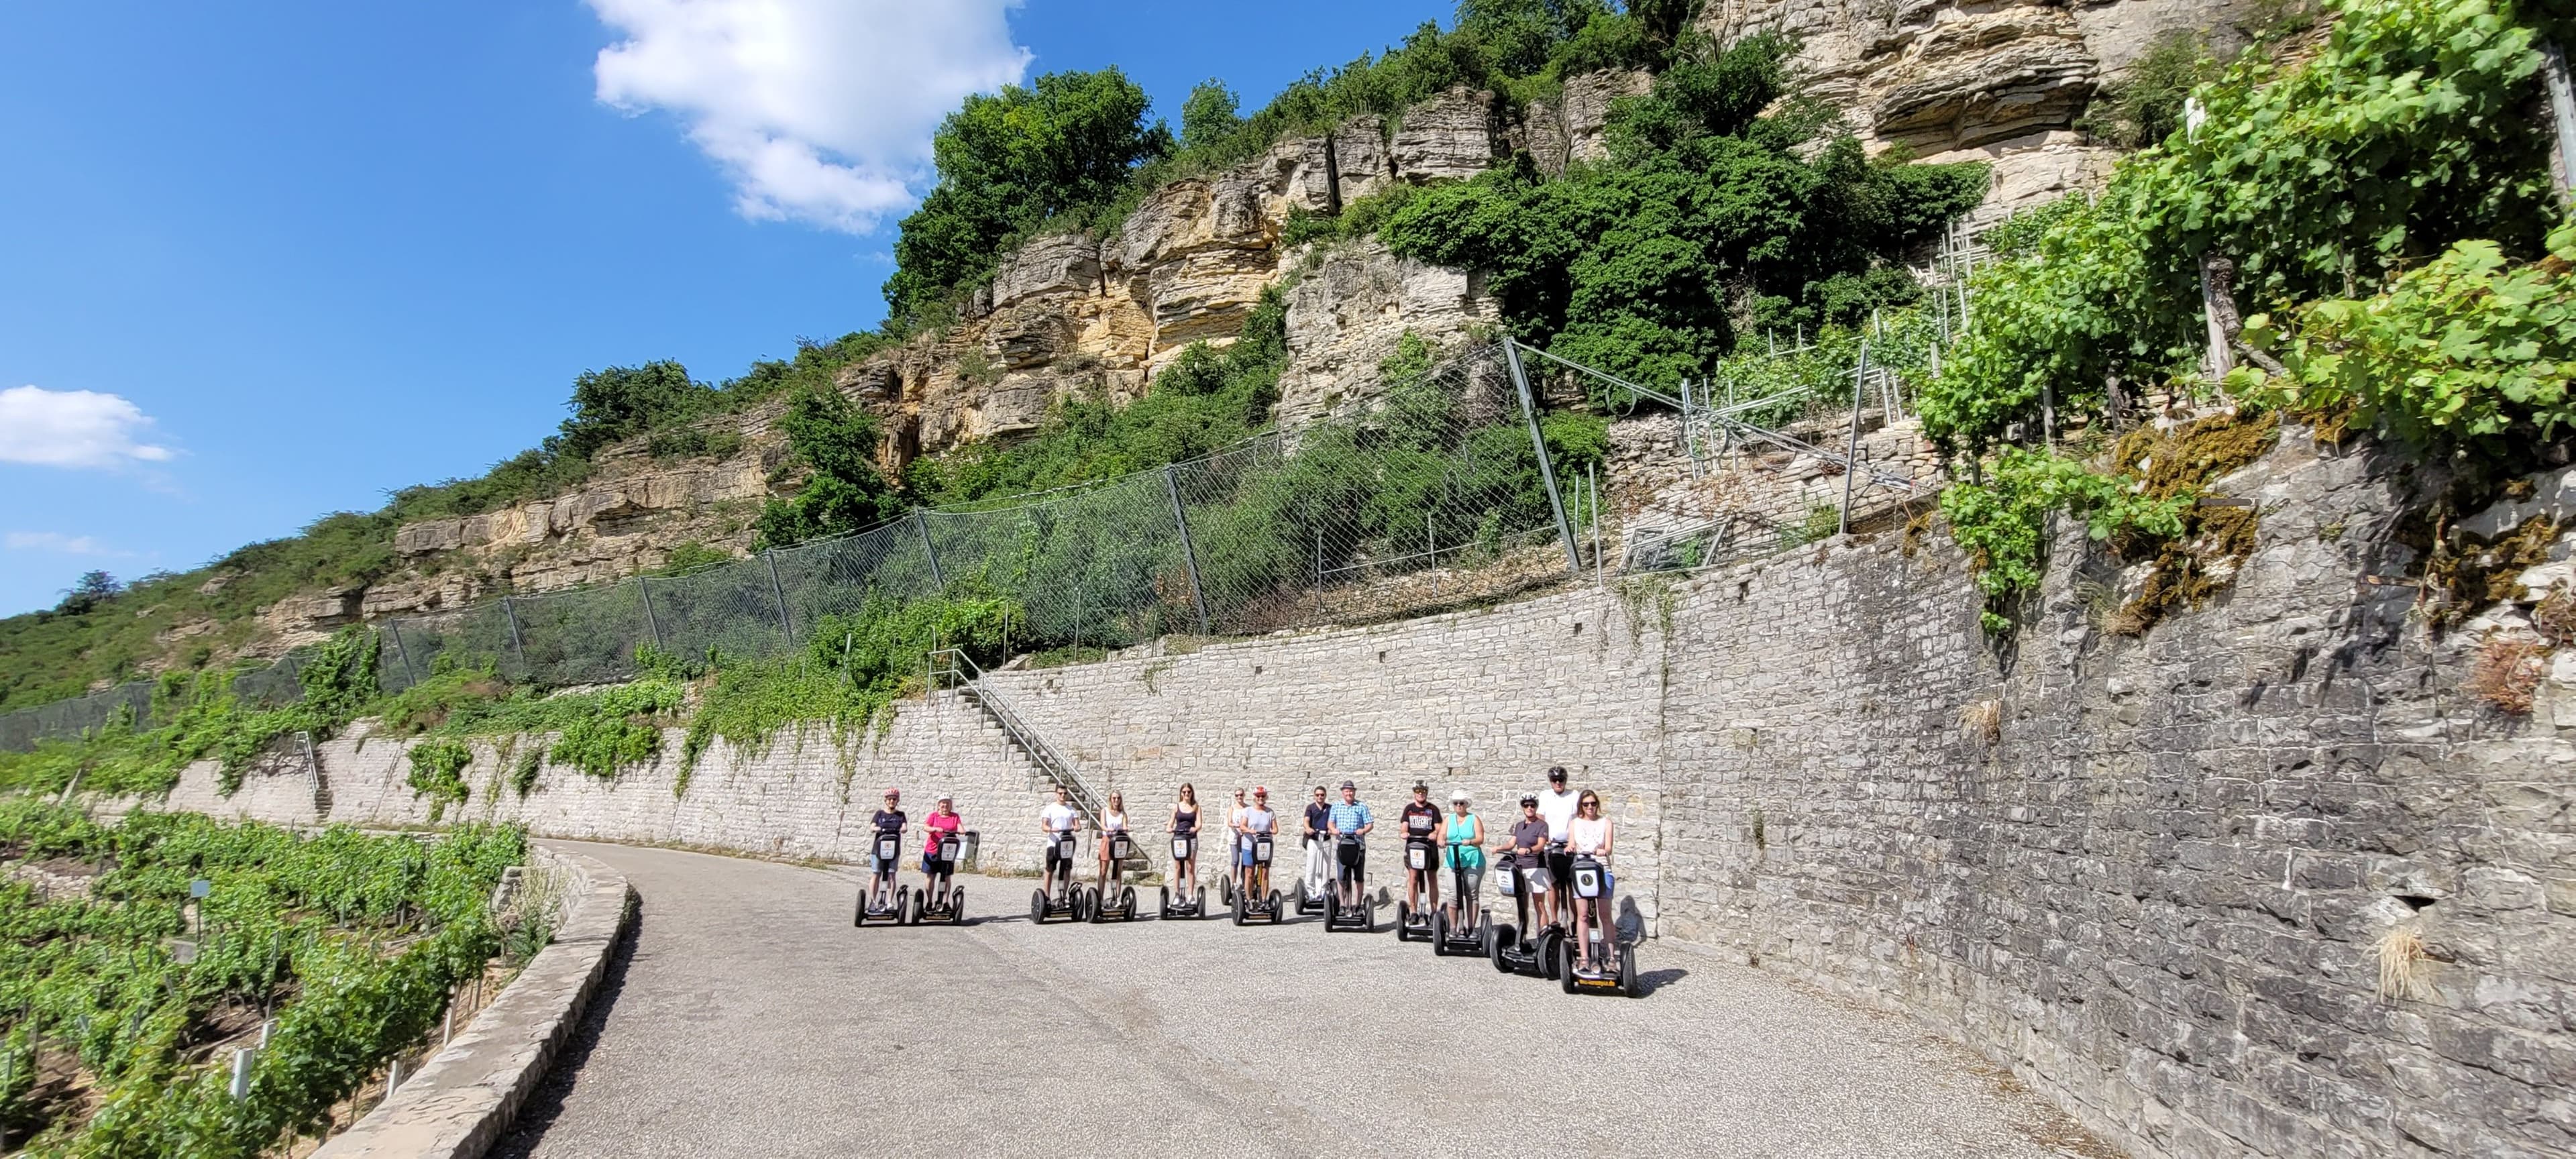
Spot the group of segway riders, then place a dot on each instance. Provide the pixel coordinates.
(1556, 858)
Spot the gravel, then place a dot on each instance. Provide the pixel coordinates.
(750, 1019)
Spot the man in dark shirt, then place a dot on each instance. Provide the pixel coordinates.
(1529, 852)
(888, 821)
(1422, 823)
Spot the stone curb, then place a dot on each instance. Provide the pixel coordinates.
(464, 1099)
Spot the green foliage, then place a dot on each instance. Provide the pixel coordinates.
(1208, 114)
(523, 772)
(2145, 106)
(1629, 266)
(2401, 138)
(437, 772)
(300, 921)
(2469, 352)
(2003, 524)
(690, 555)
(1360, 218)
(88, 592)
(848, 675)
(1008, 162)
(622, 402)
(836, 442)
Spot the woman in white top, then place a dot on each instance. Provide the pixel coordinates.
(1589, 835)
(1113, 820)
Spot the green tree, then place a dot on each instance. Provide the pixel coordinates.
(1208, 117)
(625, 401)
(837, 441)
(89, 591)
(1010, 161)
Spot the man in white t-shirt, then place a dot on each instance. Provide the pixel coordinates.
(1556, 806)
(1056, 818)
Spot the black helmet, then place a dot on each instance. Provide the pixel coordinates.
(1529, 801)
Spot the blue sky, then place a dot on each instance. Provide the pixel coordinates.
(261, 262)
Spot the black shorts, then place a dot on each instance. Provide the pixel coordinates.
(1561, 867)
(1055, 856)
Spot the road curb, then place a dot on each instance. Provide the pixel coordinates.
(464, 1099)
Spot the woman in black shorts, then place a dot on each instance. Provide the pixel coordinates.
(1185, 823)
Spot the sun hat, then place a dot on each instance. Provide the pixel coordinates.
(943, 796)
(1459, 797)
(1350, 784)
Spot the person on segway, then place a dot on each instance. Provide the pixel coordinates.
(1058, 818)
(943, 821)
(1421, 821)
(1556, 804)
(1351, 822)
(1319, 859)
(1258, 823)
(1529, 859)
(1113, 825)
(1185, 823)
(1234, 843)
(1463, 853)
(1589, 835)
(887, 820)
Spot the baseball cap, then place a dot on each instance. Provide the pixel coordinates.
(894, 792)
(1261, 790)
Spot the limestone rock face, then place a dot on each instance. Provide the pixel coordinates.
(1451, 135)
(1347, 316)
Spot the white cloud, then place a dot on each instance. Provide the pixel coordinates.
(61, 544)
(820, 110)
(72, 428)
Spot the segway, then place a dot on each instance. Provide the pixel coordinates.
(883, 899)
(1068, 900)
(1361, 916)
(1257, 901)
(1536, 955)
(1612, 964)
(1466, 934)
(1192, 904)
(941, 899)
(1118, 904)
(1313, 894)
(1411, 923)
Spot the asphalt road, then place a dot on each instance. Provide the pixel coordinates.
(747, 1017)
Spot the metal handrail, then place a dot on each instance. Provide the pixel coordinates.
(1058, 767)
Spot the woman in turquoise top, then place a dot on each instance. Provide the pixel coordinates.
(1462, 845)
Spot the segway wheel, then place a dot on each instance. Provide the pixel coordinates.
(1628, 987)
(1550, 941)
(957, 906)
(1495, 940)
(1225, 889)
(903, 905)
(1332, 909)
(1403, 921)
(1274, 907)
(1237, 906)
(1038, 907)
(1565, 965)
(1198, 903)
(1163, 902)
(1127, 903)
(920, 906)
(1440, 934)
(1368, 915)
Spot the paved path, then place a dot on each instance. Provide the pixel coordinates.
(751, 1019)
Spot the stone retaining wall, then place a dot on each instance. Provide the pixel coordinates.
(2152, 875)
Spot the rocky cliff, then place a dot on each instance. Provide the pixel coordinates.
(1095, 316)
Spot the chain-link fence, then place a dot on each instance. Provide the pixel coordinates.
(1424, 493)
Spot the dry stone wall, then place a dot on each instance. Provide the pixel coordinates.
(2159, 877)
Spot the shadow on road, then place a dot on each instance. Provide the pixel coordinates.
(1649, 981)
(547, 1101)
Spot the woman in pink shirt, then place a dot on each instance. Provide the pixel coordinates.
(943, 821)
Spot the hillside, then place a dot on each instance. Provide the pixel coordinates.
(1040, 295)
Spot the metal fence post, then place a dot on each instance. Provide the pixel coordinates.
(1546, 469)
(786, 625)
(2562, 116)
(1189, 554)
(1851, 450)
(393, 629)
(922, 523)
(516, 647)
(652, 624)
